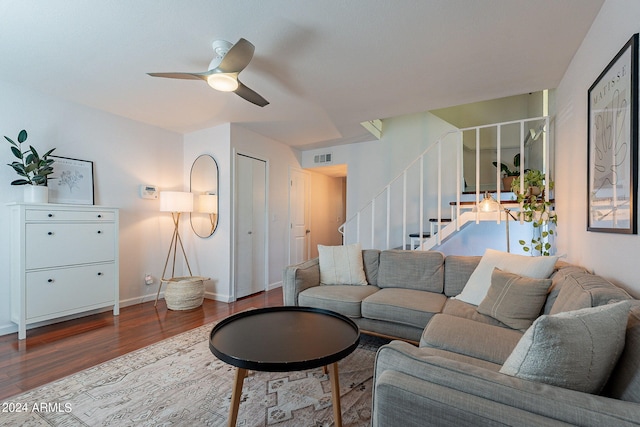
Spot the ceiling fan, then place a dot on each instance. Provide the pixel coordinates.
(229, 61)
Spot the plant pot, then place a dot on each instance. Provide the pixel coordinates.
(506, 183)
(36, 194)
(534, 191)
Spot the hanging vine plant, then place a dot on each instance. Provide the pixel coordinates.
(535, 209)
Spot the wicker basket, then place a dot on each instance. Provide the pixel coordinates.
(184, 293)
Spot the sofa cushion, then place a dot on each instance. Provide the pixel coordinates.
(470, 338)
(530, 266)
(341, 265)
(420, 270)
(344, 299)
(454, 307)
(457, 270)
(575, 349)
(371, 261)
(406, 306)
(563, 270)
(624, 383)
(514, 300)
(581, 289)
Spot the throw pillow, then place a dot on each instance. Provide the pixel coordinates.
(575, 350)
(514, 300)
(341, 265)
(536, 267)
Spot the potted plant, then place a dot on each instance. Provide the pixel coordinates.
(509, 175)
(32, 168)
(536, 210)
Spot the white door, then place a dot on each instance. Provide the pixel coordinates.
(251, 197)
(299, 216)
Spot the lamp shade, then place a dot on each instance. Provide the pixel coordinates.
(176, 201)
(208, 203)
(488, 204)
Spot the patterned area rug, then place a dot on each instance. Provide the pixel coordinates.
(179, 382)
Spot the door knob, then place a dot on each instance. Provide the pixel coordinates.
(308, 231)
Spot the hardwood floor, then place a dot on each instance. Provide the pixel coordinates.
(55, 351)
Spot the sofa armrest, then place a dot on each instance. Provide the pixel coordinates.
(470, 388)
(297, 278)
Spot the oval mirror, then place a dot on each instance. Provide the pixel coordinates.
(204, 186)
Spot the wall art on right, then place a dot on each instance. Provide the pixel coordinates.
(612, 169)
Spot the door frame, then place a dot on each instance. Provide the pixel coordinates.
(234, 203)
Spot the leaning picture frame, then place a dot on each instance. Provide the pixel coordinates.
(612, 168)
(71, 181)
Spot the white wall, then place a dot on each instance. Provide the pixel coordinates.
(211, 257)
(125, 154)
(610, 255)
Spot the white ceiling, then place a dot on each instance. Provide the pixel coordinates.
(325, 66)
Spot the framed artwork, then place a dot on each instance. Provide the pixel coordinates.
(612, 169)
(71, 181)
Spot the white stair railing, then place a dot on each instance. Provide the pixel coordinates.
(365, 227)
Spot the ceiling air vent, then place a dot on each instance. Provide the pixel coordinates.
(322, 158)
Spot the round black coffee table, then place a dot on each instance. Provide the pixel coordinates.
(282, 339)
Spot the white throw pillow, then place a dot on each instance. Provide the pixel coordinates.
(536, 267)
(575, 349)
(341, 265)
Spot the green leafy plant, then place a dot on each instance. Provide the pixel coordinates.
(536, 210)
(33, 168)
(505, 169)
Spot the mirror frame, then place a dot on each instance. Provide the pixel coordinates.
(195, 215)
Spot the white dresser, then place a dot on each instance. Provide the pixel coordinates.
(64, 261)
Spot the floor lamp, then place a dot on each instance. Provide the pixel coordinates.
(489, 204)
(175, 202)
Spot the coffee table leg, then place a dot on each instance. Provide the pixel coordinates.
(335, 394)
(241, 373)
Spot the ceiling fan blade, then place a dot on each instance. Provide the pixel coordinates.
(237, 58)
(250, 95)
(186, 76)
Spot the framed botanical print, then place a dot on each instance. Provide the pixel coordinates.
(612, 169)
(71, 181)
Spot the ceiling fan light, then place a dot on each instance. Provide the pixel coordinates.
(222, 82)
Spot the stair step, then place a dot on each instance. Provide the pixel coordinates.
(424, 235)
(441, 219)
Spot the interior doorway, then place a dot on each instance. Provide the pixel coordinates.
(325, 202)
(251, 225)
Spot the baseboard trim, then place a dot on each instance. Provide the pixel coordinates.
(275, 285)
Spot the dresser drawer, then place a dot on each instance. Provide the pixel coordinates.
(63, 291)
(52, 245)
(54, 215)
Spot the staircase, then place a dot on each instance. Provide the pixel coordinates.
(428, 197)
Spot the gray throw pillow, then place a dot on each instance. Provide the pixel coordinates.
(575, 350)
(514, 300)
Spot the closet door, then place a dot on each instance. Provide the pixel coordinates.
(251, 197)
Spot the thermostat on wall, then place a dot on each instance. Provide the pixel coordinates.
(148, 191)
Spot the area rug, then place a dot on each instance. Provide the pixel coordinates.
(178, 382)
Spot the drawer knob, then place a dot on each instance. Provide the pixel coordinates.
(50, 215)
(99, 215)
(99, 273)
(50, 233)
(99, 231)
(50, 280)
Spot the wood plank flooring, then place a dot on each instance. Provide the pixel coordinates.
(55, 351)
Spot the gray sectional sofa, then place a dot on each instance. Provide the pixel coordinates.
(447, 368)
